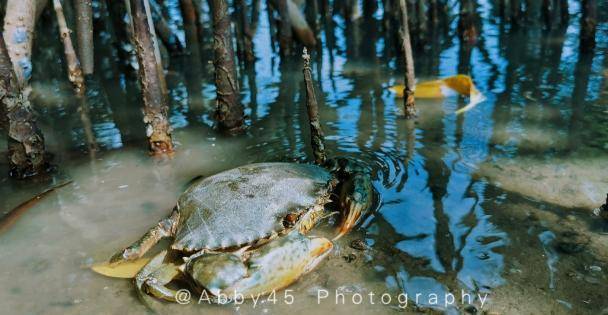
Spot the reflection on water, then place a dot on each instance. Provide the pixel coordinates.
(457, 207)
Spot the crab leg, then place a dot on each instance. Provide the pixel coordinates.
(165, 228)
(153, 278)
(356, 195)
(217, 271)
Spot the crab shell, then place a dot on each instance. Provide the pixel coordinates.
(250, 205)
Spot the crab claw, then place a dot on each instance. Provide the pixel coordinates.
(281, 263)
(355, 199)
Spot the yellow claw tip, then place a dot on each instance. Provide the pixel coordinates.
(321, 246)
(126, 269)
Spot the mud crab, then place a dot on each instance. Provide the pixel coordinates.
(242, 231)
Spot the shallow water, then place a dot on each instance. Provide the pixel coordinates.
(476, 203)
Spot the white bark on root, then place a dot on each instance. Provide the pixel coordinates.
(19, 23)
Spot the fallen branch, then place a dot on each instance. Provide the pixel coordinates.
(7, 221)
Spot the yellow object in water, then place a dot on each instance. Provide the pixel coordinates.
(128, 269)
(458, 84)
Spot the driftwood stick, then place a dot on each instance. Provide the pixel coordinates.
(7, 221)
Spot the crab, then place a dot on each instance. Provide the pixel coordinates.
(243, 231)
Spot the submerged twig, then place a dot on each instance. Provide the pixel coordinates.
(7, 221)
(87, 125)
